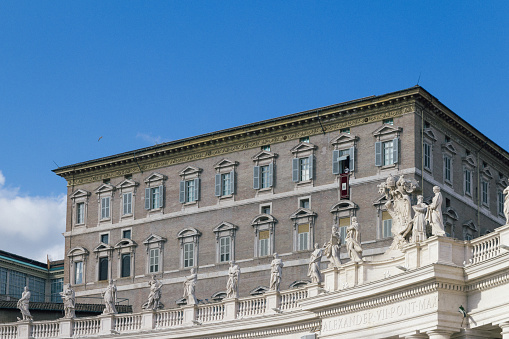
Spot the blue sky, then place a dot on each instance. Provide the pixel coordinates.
(133, 72)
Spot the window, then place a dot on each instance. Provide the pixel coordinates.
(343, 161)
(3, 281)
(153, 197)
(189, 190)
(225, 184)
(80, 213)
(303, 237)
(78, 272)
(126, 234)
(500, 202)
(386, 225)
(266, 148)
(389, 121)
(103, 268)
(468, 181)
(265, 209)
(304, 203)
(345, 130)
(304, 139)
(263, 245)
(447, 169)
(263, 176)
(57, 286)
(484, 192)
(125, 268)
(189, 255)
(427, 156)
(468, 236)
(304, 169)
(127, 205)
(17, 282)
(104, 238)
(37, 287)
(105, 208)
(154, 260)
(388, 153)
(224, 249)
(343, 224)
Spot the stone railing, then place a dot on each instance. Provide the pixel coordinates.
(45, 329)
(169, 318)
(86, 326)
(208, 313)
(485, 247)
(8, 331)
(127, 322)
(251, 306)
(290, 299)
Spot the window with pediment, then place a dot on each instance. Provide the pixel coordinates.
(127, 193)
(450, 218)
(384, 219)
(189, 187)
(225, 179)
(225, 241)
(469, 230)
(342, 213)
(501, 185)
(486, 177)
(79, 207)
(448, 153)
(469, 165)
(427, 149)
(154, 192)
(387, 146)
(189, 240)
(343, 155)
(105, 200)
(155, 250)
(303, 220)
(263, 170)
(264, 227)
(303, 164)
(77, 264)
(103, 254)
(125, 249)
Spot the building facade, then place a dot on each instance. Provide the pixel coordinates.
(274, 186)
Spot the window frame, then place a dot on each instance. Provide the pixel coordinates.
(303, 216)
(221, 231)
(225, 169)
(154, 242)
(303, 155)
(105, 193)
(80, 197)
(126, 246)
(188, 236)
(78, 254)
(263, 222)
(264, 159)
(129, 187)
(155, 202)
(384, 135)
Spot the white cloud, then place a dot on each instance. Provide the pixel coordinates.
(149, 138)
(31, 226)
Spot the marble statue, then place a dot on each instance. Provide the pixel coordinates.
(506, 205)
(353, 246)
(69, 299)
(189, 287)
(419, 221)
(110, 298)
(276, 272)
(154, 297)
(314, 265)
(23, 305)
(399, 207)
(232, 286)
(332, 247)
(434, 215)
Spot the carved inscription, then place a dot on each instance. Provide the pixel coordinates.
(381, 315)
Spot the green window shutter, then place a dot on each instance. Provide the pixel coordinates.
(271, 175)
(232, 182)
(182, 191)
(256, 177)
(196, 189)
(335, 162)
(352, 158)
(395, 150)
(295, 169)
(311, 167)
(218, 185)
(147, 198)
(378, 153)
(161, 197)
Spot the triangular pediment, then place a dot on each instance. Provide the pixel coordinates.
(79, 194)
(387, 129)
(224, 226)
(225, 163)
(487, 172)
(75, 251)
(188, 232)
(449, 148)
(105, 188)
(190, 170)
(263, 219)
(428, 133)
(451, 213)
(153, 238)
(303, 147)
(264, 155)
(344, 138)
(127, 183)
(259, 290)
(343, 205)
(103, 247)
(125, 243)
(155, 177)
(470, 224)
(470, 160)
(302, 212)
(502, 182)
(380, 201)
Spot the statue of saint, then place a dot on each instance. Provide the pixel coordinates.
(434, 215)
(69, 299)
(276, 272)
(23, 305)
(154, 297)
(332, 247)
(419, 228)
(314, 265)
(189, 287)
(232, 286)
(506, 205)
(353, 246)
(110, 298)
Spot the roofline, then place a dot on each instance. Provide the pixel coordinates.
(415, 90)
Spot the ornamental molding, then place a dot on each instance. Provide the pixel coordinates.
(154, 238)
(387, 129)
(188, 170)
(76, 251)
(155, 177)
(303, 147)
(127, 183)
(500, 279)
(79, 193)
(344, 138)
(264, 155)
(449, 149)
(313, 326)
(104, 188)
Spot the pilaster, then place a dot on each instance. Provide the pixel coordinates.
(505, 329)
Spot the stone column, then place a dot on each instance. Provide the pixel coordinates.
(273, 302)
(231, 307)
(439, 334)
(505, 330)
(148, 319)
(24, 329)
(107, 323)
(66, 327)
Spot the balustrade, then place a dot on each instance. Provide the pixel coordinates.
(127, 322)
(485, 247)
(251, 307)
(208, 313)
(8, 331)
(83, 327)
(290, 298)
(46, 329)
(169, 318)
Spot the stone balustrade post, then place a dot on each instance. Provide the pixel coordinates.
(331, 279)
(505, 330)
(314, 289)
(107, 323)
(66, 327)
(231, 307)
(24, 329)
(504, 234)
(272, 302)
(190, 312)
(148, 319)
